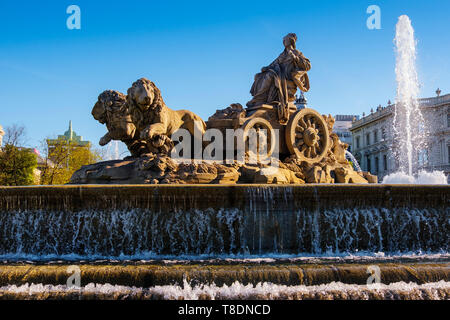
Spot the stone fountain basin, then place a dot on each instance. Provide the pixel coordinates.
(141, 220)
(148, 275)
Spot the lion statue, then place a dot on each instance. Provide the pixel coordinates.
(111, 109)
(153, 118)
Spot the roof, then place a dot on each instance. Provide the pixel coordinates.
(71, 136)
(387, 111)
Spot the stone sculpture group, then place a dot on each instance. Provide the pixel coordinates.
(304, 150)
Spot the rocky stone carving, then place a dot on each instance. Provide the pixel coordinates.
(346, 175)
(155, 169)
(234, 111)
(300, 143)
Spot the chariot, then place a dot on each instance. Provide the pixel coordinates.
(304, 135)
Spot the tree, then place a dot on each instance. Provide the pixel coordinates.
(17, 164)
(15, 135)
(63, 158)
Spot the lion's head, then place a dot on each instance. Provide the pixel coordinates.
(112, 109)
(145, 95)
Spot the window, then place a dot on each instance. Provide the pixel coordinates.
(385, 163)
(376, 165)
(357, 143)
(422, 158)
(448, 119)
(375, 136)
(448, 147)
(368, 164)
(368, 139)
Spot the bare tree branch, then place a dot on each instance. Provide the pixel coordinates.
(15, 135)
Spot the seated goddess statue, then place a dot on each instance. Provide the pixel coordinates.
(277, 83)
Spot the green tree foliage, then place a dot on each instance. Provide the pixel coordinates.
(16, 166)
(63, 159)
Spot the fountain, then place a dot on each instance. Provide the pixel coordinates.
(409, 127)
(306, 226)
(352, 158)
(147, 222)
(112, 151)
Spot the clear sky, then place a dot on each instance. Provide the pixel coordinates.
(203, 54)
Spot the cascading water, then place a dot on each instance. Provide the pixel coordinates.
(352, 158)
(409, 128)
(244, 220)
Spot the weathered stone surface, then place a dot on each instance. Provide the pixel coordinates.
(207, 173)
(109, 172)
(338, 149)
(318, 174)
(345, 175)
(161, 169)
(154, 169)
(272, 175)
(369, 177)
(232, 112)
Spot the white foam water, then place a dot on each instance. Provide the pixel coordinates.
(423, 177)
(408, 121)
(150, 257)
(267, 291)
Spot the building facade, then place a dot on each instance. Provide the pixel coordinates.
(69, 136)
(373, 138)
(342, 126)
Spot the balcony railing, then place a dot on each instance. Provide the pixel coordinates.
(435, 100)
(425, 102)
(373, 116)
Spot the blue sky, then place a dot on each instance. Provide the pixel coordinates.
(202, 54)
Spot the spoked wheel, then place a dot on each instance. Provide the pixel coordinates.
(259, 139)
(307, 136)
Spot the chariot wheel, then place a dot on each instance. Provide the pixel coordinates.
(307, 136)
(258, 138)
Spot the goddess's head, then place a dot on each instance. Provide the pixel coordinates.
(290, 40)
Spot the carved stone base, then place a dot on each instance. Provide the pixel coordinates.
(161, 169)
